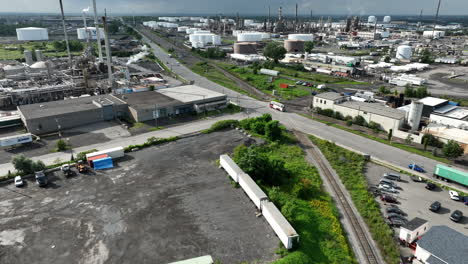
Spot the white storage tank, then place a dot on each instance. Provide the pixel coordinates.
(415, 113)
(182, 29)
(303, 37)
(387, 19)
(250, 37)
(371, 19)
(404, 52)
(32, 33)
(91, 31)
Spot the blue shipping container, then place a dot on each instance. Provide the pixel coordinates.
(104, 163)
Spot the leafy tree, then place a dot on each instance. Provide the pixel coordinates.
(452, 149)
(384, 90)
(390, 135)
(425, 142)
(61, 145)
(409, 91)
(349, 122)
(22, 164)
(432, 140)
(387, 59)
(38, 166)
(258, 127)
(359, 120)
(273, 130)
(308, 46)
(409, 139)
(274, 51)
(373, 125)
(426, 57)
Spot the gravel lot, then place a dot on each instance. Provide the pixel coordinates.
(158, 205)
(415, 200)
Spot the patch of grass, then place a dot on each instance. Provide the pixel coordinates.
(315, 78)
(407, 148)
(349, 167)
(12, 51)
(156, 128)
(137, 125)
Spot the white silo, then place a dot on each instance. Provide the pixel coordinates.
(303, 37)
(404, 52)
(371, 19)
(32, 33)
(249, 36)
(387, 19)
(415, 113)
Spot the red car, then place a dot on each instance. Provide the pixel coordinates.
(388, 198)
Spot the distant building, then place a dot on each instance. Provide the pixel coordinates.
(32, 33)
(440, 245)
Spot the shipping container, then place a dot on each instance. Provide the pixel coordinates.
(253, 191)
(280, 225)
(284, 85)
(93, 158)
(269, 72)
(230, 167)
(114, 153)
(451, 174)
(14, 140)
(103, 163)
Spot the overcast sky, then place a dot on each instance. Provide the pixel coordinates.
(346, 7)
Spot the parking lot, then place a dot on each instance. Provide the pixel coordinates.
(158, 205)
(414, 199)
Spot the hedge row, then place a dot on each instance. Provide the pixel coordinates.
(152, 141)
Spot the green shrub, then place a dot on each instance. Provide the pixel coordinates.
(349, 122)
(220, 125)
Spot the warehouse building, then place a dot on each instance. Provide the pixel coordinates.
(387, 117)
(441, 244)
(58, 115)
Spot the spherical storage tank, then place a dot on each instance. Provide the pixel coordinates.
(249, 37)
(387, 19)
(245, 48)
(303, 37)
(32, 33)
(294, 46)
(404, 52)
(371, 19)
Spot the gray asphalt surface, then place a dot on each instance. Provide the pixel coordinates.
(159, 205)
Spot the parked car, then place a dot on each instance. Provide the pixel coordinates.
(416, 178)
(388, 182)
(392, 176)
(454, 195)
(416, 167)
(435, 206)
(298, 82)
(66, 170)
(396, 222)
(394, 215)
(395, 210)
(430, 186)
(388, 198)
(18, 181)
(456, 216)
(41, 178)
(387, 188)
(465, 200)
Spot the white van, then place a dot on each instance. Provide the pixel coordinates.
(277, 106)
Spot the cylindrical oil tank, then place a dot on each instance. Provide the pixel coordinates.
(387, 19)
(404, 52)
(245, 48)
(249, 37)
(371, 19)
(294, 46)
(415, 113)
(303, 37)
(28, 57)
(32, 33)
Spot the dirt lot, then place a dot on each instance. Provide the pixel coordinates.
(415, 200)
(159, 205)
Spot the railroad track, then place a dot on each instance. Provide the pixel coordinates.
(357, 227)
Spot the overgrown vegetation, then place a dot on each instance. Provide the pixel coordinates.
(210, 53)
(26, 166)
(295, 187)
(349, 167)
(358, 120)
(152, 141)
(419, 92)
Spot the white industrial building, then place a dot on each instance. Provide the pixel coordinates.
(413, 230)
(32, 33)
(434, 34)
(387, 117)
(441, 244)
(89, 32)
(405, 79)
(201, 40)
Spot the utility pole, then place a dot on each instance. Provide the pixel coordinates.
(108, 52)
(98, 32)
(66, 35)
(435, 20)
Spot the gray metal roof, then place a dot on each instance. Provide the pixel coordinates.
(375, 108)
(149, 99)
(446, 244)
(53, 108)
(415, 223)
(329, 96)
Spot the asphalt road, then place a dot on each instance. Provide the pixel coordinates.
(293, 121)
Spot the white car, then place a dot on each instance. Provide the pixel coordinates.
(18, 181)
(454, 195)
(387, 188)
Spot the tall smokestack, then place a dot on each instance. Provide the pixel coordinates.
(269, 19)
(295, 22)
(108, 53)
(435, 20)
(65, 33)
(98, 32)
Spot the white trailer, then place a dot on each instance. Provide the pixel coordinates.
(16, 139)
(280, 225)
(114, 153)
(413, 229)
(269, 72)
(230, 167)
(252, 190)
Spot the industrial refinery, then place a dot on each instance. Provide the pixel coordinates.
(215, 132)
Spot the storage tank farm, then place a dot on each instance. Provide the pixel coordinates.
(404, 52)
(414, 116)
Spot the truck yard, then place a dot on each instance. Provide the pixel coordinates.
(161, 204)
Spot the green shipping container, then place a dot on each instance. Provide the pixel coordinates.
(451, 174)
